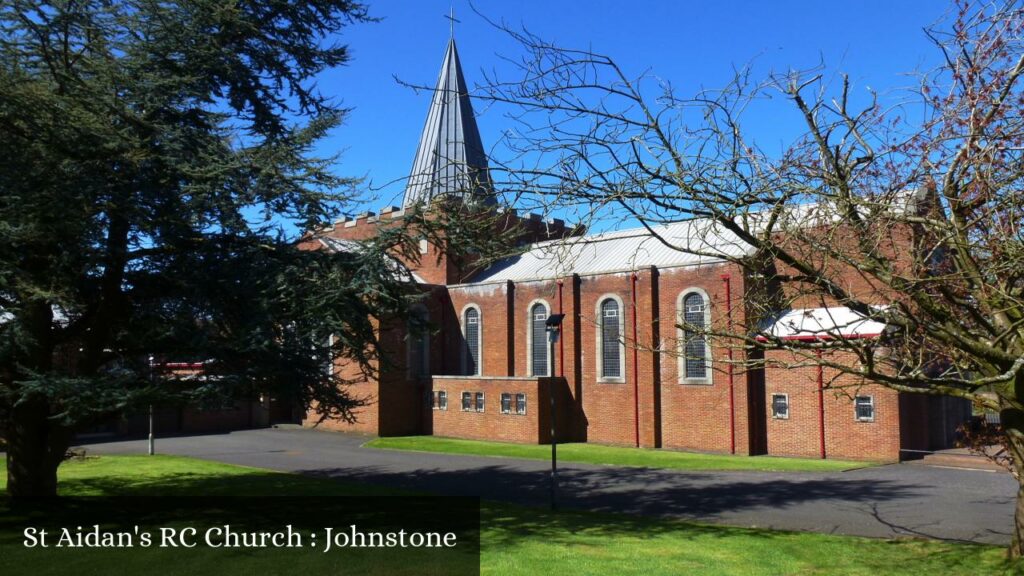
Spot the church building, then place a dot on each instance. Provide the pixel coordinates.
(622, 372)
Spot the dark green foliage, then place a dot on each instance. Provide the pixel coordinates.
(149, 154)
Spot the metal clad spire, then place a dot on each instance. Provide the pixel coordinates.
(450, 159)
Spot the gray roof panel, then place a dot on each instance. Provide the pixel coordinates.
(688, 243)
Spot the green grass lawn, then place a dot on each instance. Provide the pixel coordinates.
(520, 540)
(615, 456)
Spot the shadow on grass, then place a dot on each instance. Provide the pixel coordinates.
(508, 527)
(637, 492)
(590, 535)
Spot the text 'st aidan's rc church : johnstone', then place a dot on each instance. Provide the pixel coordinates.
(623, 372)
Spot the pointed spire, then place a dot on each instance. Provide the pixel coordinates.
(450, 159)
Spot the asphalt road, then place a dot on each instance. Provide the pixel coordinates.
(885, 501)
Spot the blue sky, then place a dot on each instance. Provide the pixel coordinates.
(691, 44)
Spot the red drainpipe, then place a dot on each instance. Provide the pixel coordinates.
(636, 373)
(732, 388)
(561, 341)
(821, 405)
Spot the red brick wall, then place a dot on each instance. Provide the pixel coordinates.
(524, 296)
(696, 416)
(366, 417)
(392, 401)
(671, 413)
(491, 424)
(893, 242)
(845, 436)
(609, 404)
(492, 301)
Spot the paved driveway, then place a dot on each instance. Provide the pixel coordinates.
(886, 501)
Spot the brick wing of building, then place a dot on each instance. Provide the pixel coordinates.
(623, 372)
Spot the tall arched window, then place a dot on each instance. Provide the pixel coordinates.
(538, 340)
(694, 315)
(471, 329)
(419, 342)
(611, 338)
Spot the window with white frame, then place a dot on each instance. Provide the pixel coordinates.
(780, 406)
(538, 340)
(611, 338)
(520, 403)
(479, 401)
(695, 360)
(864, 408)
(471, 327)
(437, 399)
(506, 403)
(467, 402)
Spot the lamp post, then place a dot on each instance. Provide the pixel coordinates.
(152, 449)
(553, 326)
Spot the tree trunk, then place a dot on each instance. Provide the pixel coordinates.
(1012, 421)
(1017, 546)
(35, 448)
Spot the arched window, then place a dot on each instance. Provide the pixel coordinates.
(471, 331)
(330, 355)
(611, 338)
(419, 342)
(538, 340)
(694, 315)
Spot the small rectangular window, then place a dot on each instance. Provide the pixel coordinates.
(479, 401)
(442, 400)
(506, 403)
(520, 403)
(865, 408)
(467, 401)
(780, 406)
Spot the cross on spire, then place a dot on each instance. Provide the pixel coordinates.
(451, 20)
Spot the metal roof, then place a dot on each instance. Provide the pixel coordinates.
(349, 246)
(823, 323)
(450, 159)
(338, 244)
(687, 243)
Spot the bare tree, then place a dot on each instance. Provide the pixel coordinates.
(909, 215)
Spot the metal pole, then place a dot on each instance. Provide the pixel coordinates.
(636, 371)
(732, 387)
(554, 438)
(821, 405)
(152, 449)
(561, 343)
